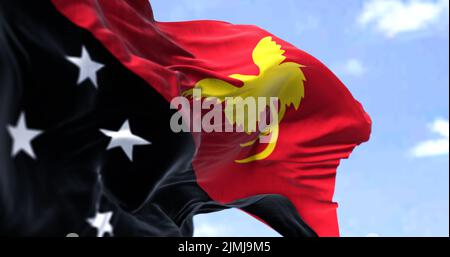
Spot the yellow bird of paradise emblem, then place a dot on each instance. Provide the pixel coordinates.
(284, 80)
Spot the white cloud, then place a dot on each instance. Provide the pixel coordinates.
(230, 223)
(434, 147)
(351, 67)
(307, 23)
(209, 230)
(354, 67)
(372, 235)
(188, 9)
(392, 17)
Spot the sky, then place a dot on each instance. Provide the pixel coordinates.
(393, 55)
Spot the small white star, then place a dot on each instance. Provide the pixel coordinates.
(87, 67)
(125, 139)
(101, 222)
(22, 137)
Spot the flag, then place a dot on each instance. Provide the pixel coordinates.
(86, 143)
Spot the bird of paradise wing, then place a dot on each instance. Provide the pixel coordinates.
(276, 78)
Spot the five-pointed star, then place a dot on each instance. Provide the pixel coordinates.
(88, 68)
(125, 139)
(22, 137)
(101, 222)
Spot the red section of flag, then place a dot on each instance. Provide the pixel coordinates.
(173, 56)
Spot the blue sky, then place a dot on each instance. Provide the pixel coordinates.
(393, 56)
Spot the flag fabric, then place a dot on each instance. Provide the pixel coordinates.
(86, 145)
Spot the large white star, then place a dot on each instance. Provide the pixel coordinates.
(125, 139)
(87, 67)
(22, 137)
(101, 222)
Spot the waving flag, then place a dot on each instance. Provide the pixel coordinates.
(86, 145)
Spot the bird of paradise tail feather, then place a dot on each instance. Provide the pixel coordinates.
(284, 80)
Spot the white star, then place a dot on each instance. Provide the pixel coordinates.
(125, 139)
(88, 68)
(22, 137)
(101, 222)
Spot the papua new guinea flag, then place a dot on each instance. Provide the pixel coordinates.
(86, 144)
